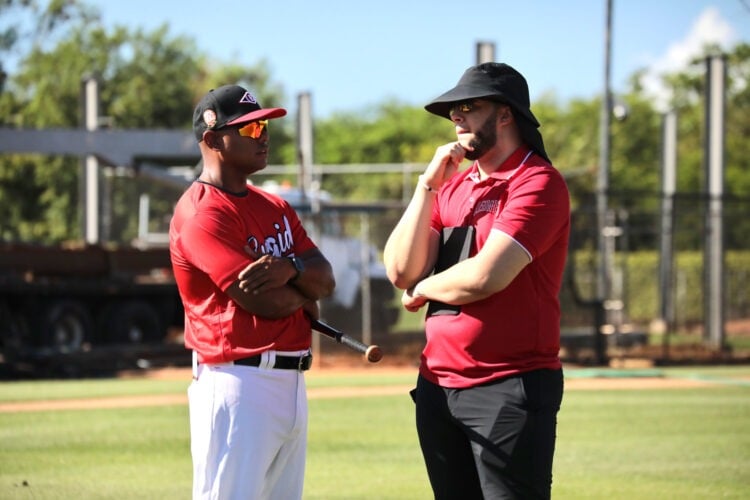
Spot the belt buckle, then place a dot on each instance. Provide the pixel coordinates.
(305, 362)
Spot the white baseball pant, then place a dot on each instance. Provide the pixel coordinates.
(248, 429)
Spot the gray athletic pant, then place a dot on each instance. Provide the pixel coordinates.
(492, 441)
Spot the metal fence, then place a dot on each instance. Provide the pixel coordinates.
(640, 300)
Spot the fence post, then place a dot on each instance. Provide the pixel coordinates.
(714, 167)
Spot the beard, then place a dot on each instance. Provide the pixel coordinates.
(484, 139)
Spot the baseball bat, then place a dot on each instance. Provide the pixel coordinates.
(371, 352)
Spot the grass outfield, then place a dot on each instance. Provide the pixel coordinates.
(686, 443)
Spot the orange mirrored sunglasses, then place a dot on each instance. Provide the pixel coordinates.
(253, 129)
(463, 107)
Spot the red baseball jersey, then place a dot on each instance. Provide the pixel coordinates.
(517, 329)
(207, 237)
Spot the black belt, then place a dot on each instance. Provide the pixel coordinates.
(300, 363)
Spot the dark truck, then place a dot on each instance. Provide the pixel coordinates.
(79, 308)
(63, 305)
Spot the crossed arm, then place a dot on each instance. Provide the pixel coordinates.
(412, 249)
(264, 288)
(488, 272)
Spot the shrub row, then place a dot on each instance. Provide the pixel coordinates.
(636, 275)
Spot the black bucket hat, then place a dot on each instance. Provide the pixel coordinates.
(498, 82)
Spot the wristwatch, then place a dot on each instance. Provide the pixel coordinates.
(299, 266)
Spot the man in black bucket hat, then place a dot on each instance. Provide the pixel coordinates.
(484, 249)
(496, 82)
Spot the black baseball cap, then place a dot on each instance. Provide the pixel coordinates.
(229, 105)
(497, 82)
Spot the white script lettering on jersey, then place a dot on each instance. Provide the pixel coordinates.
(276, 244)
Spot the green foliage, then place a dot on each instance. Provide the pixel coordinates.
(571, 133)
(642, 294)
(147, 80)
(29, 22)
(689, 102)
(153, 79)
(737, 182)
(142, 79)
(390, 133)
(571, 138)
(40, 201)
(144, 88)
(635, 164)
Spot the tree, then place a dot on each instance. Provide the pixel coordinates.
(153, 79)
(148, 80)
(570, 134)
(40, 206)
(42, 22)
(689, 88)
(389, 133)
(145, 87)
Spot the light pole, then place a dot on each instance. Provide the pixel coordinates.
(602, 186)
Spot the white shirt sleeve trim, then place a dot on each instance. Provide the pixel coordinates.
(531, 259)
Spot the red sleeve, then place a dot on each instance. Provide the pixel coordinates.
(213, 243)
(536, 210)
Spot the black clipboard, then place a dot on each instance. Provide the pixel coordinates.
(455, 246)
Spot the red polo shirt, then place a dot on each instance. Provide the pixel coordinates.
(517, 329)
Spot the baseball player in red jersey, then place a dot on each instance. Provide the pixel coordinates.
(485, 249)
(248, 275)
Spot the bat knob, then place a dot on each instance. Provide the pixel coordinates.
(373, 354)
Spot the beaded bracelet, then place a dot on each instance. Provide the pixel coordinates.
(426, 186)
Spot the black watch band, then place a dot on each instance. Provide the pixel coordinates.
(298, 266)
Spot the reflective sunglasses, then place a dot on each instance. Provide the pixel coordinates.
(253, 129)
(461, 107)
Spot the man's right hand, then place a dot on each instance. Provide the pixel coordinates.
(444, 164)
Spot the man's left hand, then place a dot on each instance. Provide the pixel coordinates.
(411, 302)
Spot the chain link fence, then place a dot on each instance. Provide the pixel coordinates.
(645, 311)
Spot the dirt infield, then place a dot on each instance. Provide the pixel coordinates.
(576, 383)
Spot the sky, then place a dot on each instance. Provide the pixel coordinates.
(352, 55)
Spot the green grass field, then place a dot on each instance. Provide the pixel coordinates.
(615, 444)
